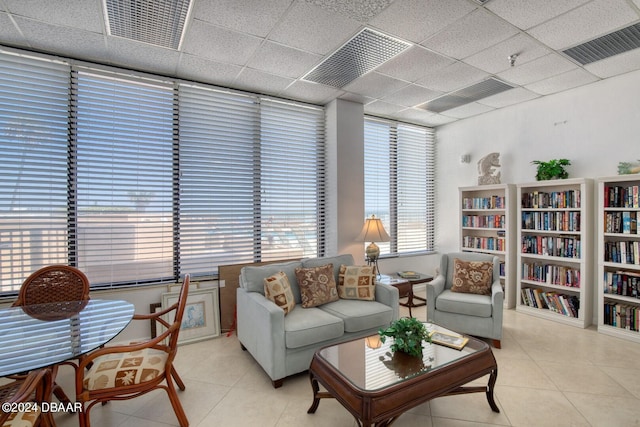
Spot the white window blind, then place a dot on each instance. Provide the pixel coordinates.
(33, 180)
(399, 184)
(124, 140)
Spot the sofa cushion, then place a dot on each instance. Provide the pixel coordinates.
(309, 326)
(278, 290)
(472, 277)
(317, 285)
(336, 261)
(469, 304)
(253, 276)
(357, 282)
(360, 315)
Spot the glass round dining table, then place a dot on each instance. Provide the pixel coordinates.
(35, 336)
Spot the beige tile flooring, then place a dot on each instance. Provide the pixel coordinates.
(549, 375)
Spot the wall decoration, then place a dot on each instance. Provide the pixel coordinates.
(627, 168)
(201, 318)
(488, 169)
(553, 169)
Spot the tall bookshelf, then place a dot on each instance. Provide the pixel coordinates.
(618, 279)
(555, 259)
(487, 225)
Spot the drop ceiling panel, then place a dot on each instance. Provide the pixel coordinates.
(143, 56)
(496, 58)
(538, 69)
(382, 108)
(282, 60)
(220, 44)
(196, 68)
(509, 97)
(87, 16)
(361, 11)
(564, 81)
(412, 64)
(258, 81)
(471, 34)
(616, 65)
(255, 17)
(411, 95)
(585, 23)
(423, 117)
(468, 110)
(375, 85)
(311, 92)
(9, 33)
(526, 13)
(453, 77)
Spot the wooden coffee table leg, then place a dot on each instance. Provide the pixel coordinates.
(492, 382)
(316, 399)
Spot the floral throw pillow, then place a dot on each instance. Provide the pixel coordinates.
(278, 290)
(472, 277)
(357, 282)
(317, 285)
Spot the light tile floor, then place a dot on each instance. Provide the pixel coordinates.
(549, 375)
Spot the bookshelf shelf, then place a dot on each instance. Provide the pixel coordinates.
(554, 263)
(487, 226)
(618, 281)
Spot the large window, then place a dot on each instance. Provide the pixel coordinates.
(136, 179)
(399, 184)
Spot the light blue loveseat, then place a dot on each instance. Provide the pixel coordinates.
(284, 345)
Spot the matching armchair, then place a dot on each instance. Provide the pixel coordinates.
(469, 313)
(32, 388)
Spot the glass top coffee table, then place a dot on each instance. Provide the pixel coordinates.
(377, 386)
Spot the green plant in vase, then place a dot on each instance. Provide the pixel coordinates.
(553, 169)
(408, 333)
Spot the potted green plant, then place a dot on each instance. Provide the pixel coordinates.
(408, 333)
(553, 169)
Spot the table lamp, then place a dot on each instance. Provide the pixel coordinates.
(373, 231)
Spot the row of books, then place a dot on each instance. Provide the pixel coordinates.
(483, 221)
(624, 283)
(488, 243)
(551, 274)
(503, 269)
(622, 316)
(622, 252)
(493, 202)
(551, 221)
(564, 247)
(621, 197)
(621, 222)
(554, 199)
(567, 305)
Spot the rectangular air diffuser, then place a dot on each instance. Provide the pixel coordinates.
(475, 92)
(606, 46)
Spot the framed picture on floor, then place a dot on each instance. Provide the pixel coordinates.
(200, 320)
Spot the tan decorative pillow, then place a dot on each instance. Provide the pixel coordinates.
(317, 285)
(472, 277)
(278, 290)
(357, 282)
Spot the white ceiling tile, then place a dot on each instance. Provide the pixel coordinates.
(467, 110)
(473, 33)
(619, 64)
(257, 17)
(277, 59)
(526, 13)
(415, 20)
(219, 44)
(361, 11)
(382, 108)
(314, 93)
(142, 56)
(496, 58)
(412, 95)
(374, 85)
(257, 81)
(195, 68)
(453, 77)
(413, 63)
(60, 40)
(66, 13)
(419, 116)
(509, 97)
(438, 120)
(354, 97)
(313, 29)
(587, 22)
(9, 34)
(568, 80)
(538, 69)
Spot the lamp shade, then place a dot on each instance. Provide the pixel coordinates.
(373, 231)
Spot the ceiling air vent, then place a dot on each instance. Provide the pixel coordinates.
(365, 51)
(158, 22)
(606, 46)
(466, 95)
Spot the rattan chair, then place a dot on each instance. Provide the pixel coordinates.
(33, 388)
(128, 371)
(40, 293)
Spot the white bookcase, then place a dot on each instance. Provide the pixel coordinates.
(618, 280)
(555, 229)
(487, 225)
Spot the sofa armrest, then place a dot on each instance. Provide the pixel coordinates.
(260, 330)
(434, 288)
(388, 295)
